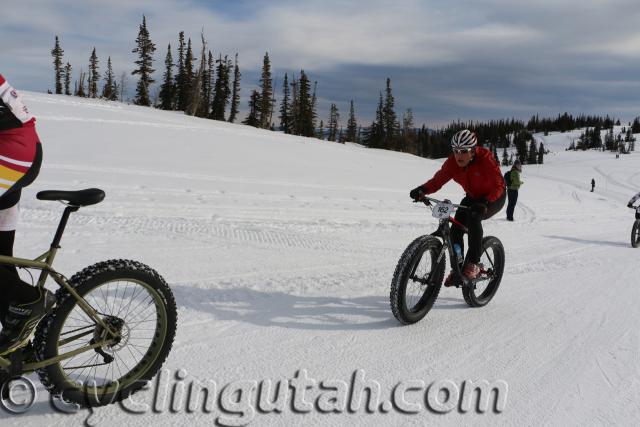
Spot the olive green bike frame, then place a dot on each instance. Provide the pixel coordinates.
(44, 263)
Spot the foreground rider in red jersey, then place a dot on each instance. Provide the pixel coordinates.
(21, 305)
(477, 171)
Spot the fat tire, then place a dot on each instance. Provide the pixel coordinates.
(469, 293)
(635, 234)
(45, 341)
(406, 265)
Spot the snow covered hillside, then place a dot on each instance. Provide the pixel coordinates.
(280, 251)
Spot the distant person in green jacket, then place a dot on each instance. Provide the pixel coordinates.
(513, 184)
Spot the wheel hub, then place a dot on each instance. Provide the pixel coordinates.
(121, 330)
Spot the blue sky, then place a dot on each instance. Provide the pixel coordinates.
(447, 60)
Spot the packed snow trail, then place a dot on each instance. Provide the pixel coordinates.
(280, 251)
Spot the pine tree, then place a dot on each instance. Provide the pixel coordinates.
(93, 75)
(123, 86)
(295, 105)
(167, 89)
(304, 118)
(533, 153)
(285, 107)
(235, 95)
(109, 90)
(211, 63)
(254, 110)
(314, 101)
(188, 75)
(206, 89)
(609, 142)
(390, 120)
(520, 140)
(320, 134)
(352, 126)
(266, 93)
(144, 49)
(408, 138)
(80, 84)
(222, 91)
(57, 52)
(67, 79)
(334, 117)
(596, 139)
(377, 131)
(197, 83)
(180, 89)
(540, 154)
(273, 105)
(505, 158)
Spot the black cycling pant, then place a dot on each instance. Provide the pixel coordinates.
(473, 222)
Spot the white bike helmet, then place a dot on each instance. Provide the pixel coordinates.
(464, 139)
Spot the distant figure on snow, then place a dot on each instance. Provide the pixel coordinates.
(593, 184)
(513, 182)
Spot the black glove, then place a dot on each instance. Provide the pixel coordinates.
(418, 193)
(479, 209)
(629, 205)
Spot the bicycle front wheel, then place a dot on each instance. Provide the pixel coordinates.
(635, 234)
(132, 299)
(417, 280)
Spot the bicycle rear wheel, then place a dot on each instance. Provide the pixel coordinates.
(131, 298)
(635, 234)
(485, 286)
(417, 280)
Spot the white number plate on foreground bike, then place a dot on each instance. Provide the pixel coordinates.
(443, 210)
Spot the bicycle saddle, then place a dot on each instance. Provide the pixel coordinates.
(79, 198)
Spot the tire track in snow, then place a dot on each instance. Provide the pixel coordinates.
(614, 181)
(199, 227)
(575, 196)
(529, 213)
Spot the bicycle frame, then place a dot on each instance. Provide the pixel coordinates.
(44, 263)
(444, 232)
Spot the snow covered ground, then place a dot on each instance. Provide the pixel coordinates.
(280, 251)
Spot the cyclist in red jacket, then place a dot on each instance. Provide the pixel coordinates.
(21, 305)
(477, 171)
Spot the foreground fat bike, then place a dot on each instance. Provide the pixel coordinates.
(110, 330)
(420, 271)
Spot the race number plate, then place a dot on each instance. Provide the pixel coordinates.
(443, 210)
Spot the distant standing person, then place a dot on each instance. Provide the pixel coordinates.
(513, 182)
(593, 184)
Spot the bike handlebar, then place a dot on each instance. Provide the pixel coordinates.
(427, 201)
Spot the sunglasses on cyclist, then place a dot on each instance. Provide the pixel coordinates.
(462, 150)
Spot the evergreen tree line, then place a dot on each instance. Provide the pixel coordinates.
(591, 139)
(207, 87)
(111, 89)
(566, 122)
